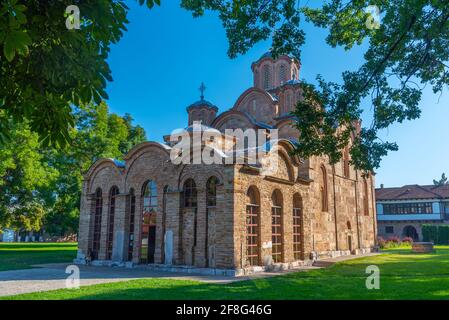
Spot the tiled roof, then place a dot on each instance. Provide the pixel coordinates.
(414, 191)
(268, 54)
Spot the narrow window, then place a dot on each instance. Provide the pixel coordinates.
(346, 162)
(110, 233)
(190, 194)
(324, 195)
(297, 223)
(266, 77)
(252, 227)
(365, 198)
(97, 224)
(276, 226)
(282, 74)
(389, 229)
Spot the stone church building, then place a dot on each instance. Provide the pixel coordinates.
(229, 218)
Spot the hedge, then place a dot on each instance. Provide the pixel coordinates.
(438, 234)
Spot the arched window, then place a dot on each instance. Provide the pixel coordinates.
(97, 224)
(211, 192)
(190, 193)
(132, 216)
(149, 213)
(282, 74)
(276, 226)
(297, 223)
(323, 189)
(253, 227)
(365, 198)
(266, 77)
(288, 101)
(110, 234)
(346, 162)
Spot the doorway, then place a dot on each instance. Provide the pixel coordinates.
(410, 231)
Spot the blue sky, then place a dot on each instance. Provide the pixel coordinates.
(160, 62)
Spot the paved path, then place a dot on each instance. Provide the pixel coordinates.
(52, 277)
(324, 263)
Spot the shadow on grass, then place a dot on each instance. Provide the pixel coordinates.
(403, 275)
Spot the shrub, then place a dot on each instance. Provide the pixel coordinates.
(430, 233)
(443, 234)
(438, 234)
(394, 239)
(407, 240)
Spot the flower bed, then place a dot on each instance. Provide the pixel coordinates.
(394, 242)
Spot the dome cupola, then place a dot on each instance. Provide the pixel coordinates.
(202, 110)
(270, 73)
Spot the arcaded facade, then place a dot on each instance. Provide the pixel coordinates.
(234, 217)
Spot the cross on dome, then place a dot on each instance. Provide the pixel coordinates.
(202, 88)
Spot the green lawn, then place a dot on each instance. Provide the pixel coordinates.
(403, 275)
(23, 255)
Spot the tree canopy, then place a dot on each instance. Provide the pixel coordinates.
(442, 181)
(47, 70)
(41, 186)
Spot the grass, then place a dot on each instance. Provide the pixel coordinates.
(403, 275)
(15, 256)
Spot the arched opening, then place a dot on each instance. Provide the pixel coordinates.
(149, 214)
(132, 216)
(253, 227)
(190, 202)
(282, 74)
(211, 203)
(276, 226)
(323, 190)
(97, 224)
(111, 217)
(190, 194)
(297, 226)
(266, 77)
(410, 231)
(348, 225)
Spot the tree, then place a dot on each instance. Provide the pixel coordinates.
(408, 50)
(24, 179)
(40, 187)
(46, 69)
(97, 134)
(443, 180)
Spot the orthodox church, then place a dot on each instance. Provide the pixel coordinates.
(228, 218)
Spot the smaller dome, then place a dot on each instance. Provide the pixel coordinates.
(202, 103)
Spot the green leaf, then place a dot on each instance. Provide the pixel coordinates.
(16, 41)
